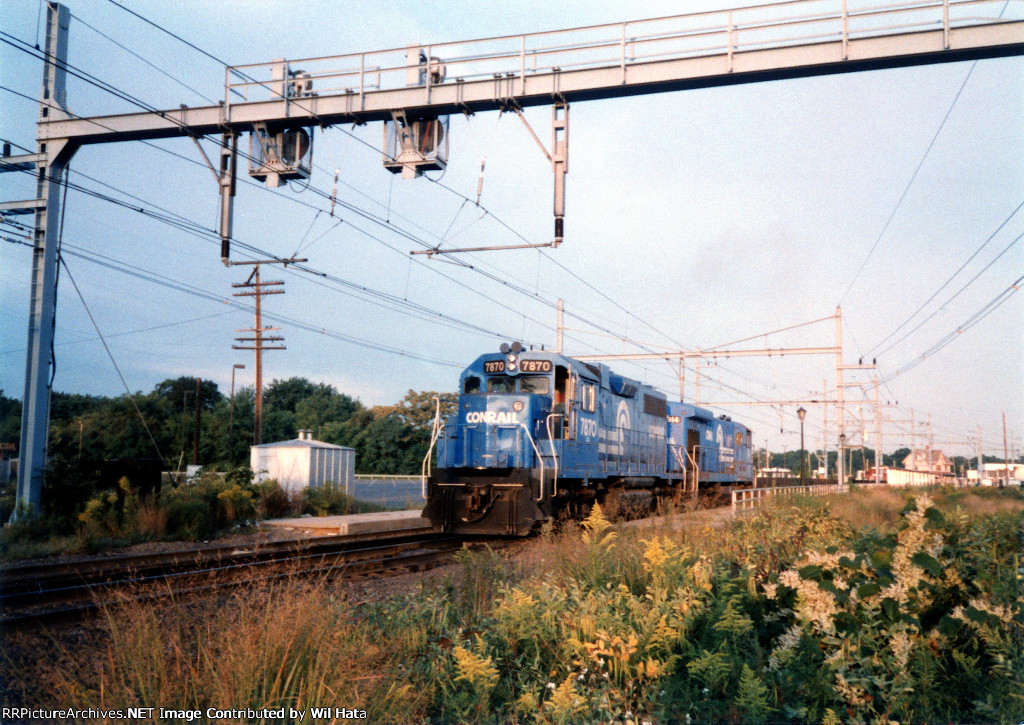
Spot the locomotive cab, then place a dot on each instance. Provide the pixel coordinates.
(499, 456)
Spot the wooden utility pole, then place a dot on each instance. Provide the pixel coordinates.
(259, 338)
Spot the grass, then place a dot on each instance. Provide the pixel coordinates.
(197, 511)
(879, 606)
(880, 508)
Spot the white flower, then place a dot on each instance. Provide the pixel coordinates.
(551, 685)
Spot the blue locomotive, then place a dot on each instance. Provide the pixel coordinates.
(539, 435)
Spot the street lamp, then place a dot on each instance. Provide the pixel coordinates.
(801, 413)
(840, 467)
(231, 415)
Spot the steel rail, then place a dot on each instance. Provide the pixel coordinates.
(411, 553)
(31, 579)
(388, 558)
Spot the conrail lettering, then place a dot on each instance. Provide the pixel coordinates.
(491, 417)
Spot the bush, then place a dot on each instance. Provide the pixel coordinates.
(793, 616)
(271, 500)
(328, 500)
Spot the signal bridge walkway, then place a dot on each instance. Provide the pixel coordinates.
(774, 41)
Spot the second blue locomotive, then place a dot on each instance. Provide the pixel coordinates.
(539, 435)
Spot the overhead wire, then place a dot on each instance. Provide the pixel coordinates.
(474, 268)
(195, 229)
(125, 96)
(113, 361)
(990, 307)
(957, 293)
(144, 60)
(913, 176)
(910, 183)
(946, 283)
(194, 290)
(362, 213)
(125, 333)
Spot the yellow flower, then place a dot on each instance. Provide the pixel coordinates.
(478, 671)
(564, 701)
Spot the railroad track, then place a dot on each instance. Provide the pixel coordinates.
(34, 592)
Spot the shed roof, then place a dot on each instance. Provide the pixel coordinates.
(303, 443)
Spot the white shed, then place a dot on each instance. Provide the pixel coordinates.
(303, 462)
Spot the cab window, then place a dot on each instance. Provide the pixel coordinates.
(472, 385)
(588, 398)
(501, 384)
(538, 385)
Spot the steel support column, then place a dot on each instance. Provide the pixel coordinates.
(35, 416)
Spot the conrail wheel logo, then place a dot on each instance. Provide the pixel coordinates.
(492, 417)
(622, 416)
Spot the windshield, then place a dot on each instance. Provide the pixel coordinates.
(534, 384)
(501, 384)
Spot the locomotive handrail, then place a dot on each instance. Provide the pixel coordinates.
(425, 466)
(696, 468)
(540, 459)
(551, 443)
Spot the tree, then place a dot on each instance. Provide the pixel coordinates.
(896, 458)
(324, 406)
(175, 390)
(286, 394)
(418, 408)
(10, 419)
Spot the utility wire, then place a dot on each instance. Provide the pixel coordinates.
(910, 183)
(129, 332)
(187, 288)
(957, 294)
(970, 322)
(155, 67)
(125, 96)
(116, 367)
(944, 284)
(121, 94)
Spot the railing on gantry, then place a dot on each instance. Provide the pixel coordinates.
(514, 58)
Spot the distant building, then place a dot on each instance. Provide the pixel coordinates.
(995, 473)
(918, 460)
(304, 462)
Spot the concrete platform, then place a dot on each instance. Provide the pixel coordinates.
(376, 523)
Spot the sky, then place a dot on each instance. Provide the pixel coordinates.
(693, 219)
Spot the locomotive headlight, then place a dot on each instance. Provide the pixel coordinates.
(511, 359)
(511, 366)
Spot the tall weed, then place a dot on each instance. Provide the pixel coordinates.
(797, 615)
